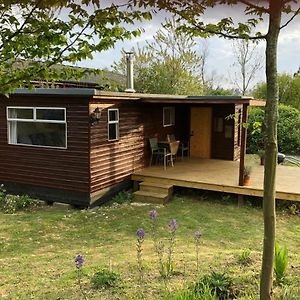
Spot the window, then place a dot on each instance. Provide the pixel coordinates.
(168, 116)
(37, 126)
(113, 124)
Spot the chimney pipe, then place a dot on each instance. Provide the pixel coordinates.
(129, 71)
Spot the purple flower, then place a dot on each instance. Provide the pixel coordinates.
(79, 260)
(197, 235)
(140, 233)
(173, 225)
(153, 214)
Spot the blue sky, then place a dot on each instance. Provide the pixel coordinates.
(220, 57)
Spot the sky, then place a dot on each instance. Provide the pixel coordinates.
(221, 56)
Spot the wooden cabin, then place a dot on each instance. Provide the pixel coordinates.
(81, 145)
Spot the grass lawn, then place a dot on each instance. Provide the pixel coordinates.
(37, 248)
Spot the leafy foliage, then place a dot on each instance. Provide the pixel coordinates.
(289, 90)
(13, 203)
(123, 197)
(36, 35)
(280, 263)
(105, 278)
(288, 130)
(219, 283)
(169, 65)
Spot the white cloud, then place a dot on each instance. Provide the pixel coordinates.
(220, 51)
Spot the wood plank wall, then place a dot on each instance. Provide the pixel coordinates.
(45, 167)
(114, 161)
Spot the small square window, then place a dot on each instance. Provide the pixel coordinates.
(168, 116)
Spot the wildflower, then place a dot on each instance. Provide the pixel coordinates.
(140, 233)
(197, 235)
(79, 260)
(153, 214)
(173, 225)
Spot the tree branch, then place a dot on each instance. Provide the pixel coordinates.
(257, 7)
(18, 31)
(229, 36)
(291, 19)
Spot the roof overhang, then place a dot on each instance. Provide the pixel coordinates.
(140, 97)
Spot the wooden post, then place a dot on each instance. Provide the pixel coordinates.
(241, 200)
(136, 186)
(243, 143)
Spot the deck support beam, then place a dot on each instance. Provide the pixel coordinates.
(241, 200)
(243, 143)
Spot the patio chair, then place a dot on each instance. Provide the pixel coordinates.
(171, 153)
(183, 146)
(156, 150)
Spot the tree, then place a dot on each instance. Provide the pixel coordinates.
(169, 65)
(289, 90)
(190, 13)
(247, 61)
(35, 35)
(288, 130)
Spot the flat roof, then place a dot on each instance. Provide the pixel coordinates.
(146, 98)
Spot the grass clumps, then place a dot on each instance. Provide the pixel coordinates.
(280, 263)
(105, 278)
(245, 257)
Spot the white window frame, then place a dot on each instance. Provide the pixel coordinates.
(113, 122)
(35, 120)
(172, 114)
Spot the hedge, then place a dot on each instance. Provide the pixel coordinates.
(288, 130)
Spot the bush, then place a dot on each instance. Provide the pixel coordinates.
(123, 197)
(105, 278)
(12, 203)
(220, 284)
(288, 130)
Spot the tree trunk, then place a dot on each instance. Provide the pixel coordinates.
(271, 118)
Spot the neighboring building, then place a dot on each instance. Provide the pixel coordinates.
(55, 145)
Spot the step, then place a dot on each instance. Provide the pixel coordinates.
(150, 197)
(156, 187)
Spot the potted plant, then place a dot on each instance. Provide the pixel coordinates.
(247, 172)
(261, 154)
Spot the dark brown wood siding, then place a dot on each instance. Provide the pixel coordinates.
(114, 161)
(223, 138)
(62, 169)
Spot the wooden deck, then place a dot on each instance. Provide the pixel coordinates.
(222, 176)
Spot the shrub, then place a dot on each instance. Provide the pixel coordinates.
(288, 130)
(12, 203)
(280, 263)
(105, 278)
(123, 197)
(220, 284)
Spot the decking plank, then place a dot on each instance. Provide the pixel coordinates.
(222, 176)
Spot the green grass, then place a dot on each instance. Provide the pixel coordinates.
(37, 248)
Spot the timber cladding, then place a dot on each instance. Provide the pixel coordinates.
(61, 169)
(112, 162)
